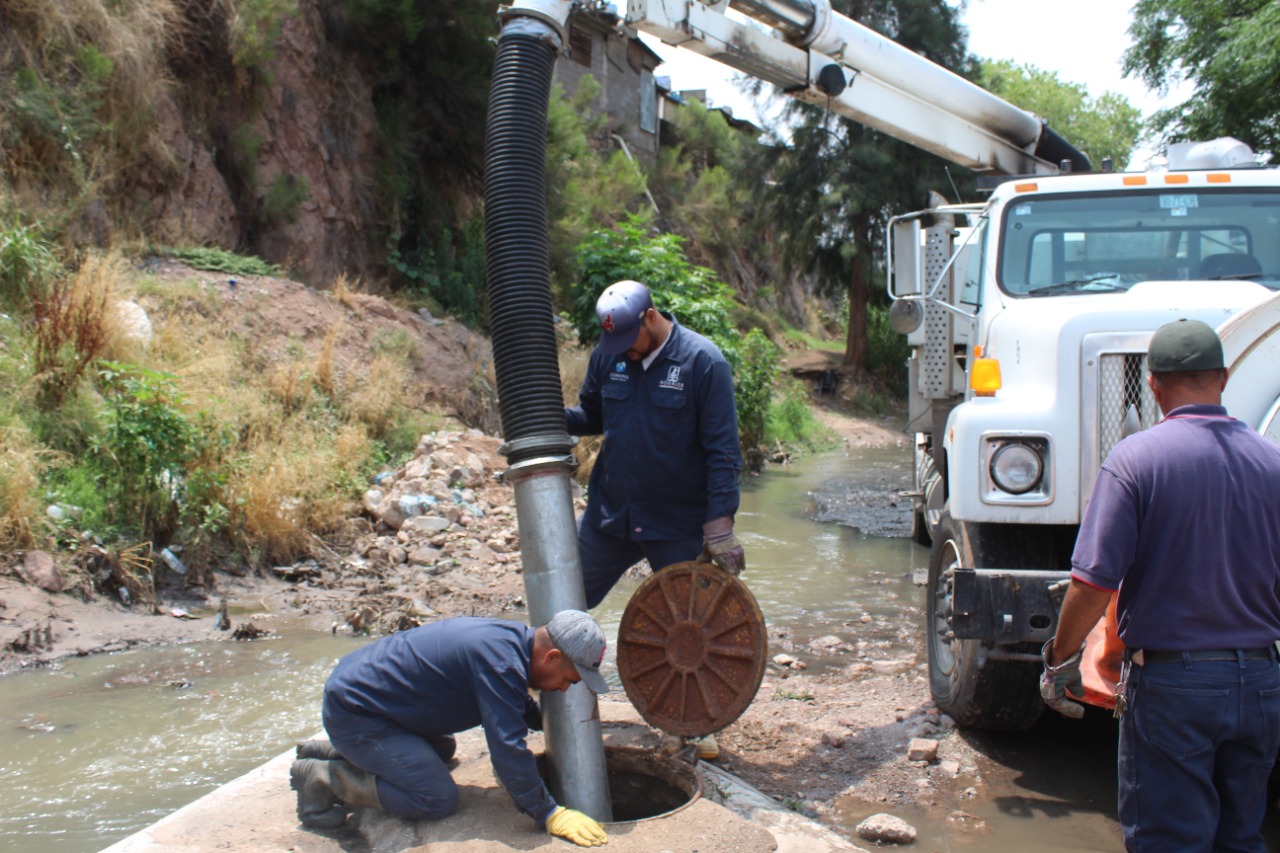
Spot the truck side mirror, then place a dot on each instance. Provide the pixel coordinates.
(905, 262)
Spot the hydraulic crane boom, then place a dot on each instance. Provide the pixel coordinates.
(814, 54)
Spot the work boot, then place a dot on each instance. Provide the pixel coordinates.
(317, 748)
(708, 749)
(445, 746)
(328, 790)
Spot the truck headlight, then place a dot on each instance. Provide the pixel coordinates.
(1016, 468)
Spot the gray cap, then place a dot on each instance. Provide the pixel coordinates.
(582, 641)
(1183, 346)
(621, 309)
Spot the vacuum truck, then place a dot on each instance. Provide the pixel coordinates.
(1027, 316)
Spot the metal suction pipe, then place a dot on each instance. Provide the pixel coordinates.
(528, 374)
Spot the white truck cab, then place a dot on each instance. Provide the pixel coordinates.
(1028, 330)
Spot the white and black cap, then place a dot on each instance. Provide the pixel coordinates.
(620, 310)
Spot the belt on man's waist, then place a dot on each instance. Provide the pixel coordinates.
(1145, 656)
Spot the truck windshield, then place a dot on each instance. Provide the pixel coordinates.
(1103, 243)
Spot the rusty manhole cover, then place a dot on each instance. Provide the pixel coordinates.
(691, 649)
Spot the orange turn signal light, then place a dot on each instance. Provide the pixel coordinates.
(984, 377)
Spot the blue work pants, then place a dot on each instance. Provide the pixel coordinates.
(413, 781)
(606, 558)
(1197, 744)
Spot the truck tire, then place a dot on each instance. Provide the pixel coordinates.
(926, 514)
(976, 691)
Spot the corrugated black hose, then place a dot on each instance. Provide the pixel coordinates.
(516, 260)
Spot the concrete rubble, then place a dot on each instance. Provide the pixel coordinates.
(257, 812)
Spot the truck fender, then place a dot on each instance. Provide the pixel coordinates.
(1251, 345)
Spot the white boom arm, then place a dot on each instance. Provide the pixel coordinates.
(816, 55)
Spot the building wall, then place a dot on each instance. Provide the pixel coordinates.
(624, 69)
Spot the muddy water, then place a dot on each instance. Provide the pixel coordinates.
(100, 747)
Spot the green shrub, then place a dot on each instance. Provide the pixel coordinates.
(753, 377)
(145, 447)
(213, 259)
(628, 251)
(27, 263)
(791, 422)
(887, 351)
(285, 195)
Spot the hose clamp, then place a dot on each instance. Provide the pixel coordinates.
(543, 19)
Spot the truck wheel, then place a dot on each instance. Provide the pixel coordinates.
(976, 691)
(926, 515)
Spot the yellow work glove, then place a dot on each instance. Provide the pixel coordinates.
(576, 827)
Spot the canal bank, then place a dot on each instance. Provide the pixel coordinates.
(256, 812)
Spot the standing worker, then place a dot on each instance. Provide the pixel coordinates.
(1184, 521)
(665, 485)
(391, 709)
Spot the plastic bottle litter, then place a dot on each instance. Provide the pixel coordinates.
(171, 560)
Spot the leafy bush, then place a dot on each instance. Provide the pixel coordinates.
(887, 351)
(27, 263)
(692, 294)
(754, 373)
(145, 447)
(628, 251)
(790, 421)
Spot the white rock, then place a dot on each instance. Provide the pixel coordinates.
(886, 827)
(427, 524)
(133, 323)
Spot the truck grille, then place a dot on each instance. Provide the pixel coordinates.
(1114, 382)
(1122, 385)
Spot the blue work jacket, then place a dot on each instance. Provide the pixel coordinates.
(447, 677)
(671, 453)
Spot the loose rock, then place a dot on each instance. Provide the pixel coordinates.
(922, 749)
(887, 828)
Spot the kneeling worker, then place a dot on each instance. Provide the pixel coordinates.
(392, 707)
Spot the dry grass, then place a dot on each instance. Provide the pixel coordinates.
(122, 49)
(21, 465)
(285, 491)
(573, 369)
(323, 372)
(72, 329)
(346, 292)
(378, 398)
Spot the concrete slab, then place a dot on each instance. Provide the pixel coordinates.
(257, 812)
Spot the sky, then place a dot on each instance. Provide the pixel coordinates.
(1082, 42)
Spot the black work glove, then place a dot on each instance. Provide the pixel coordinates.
(532, 714)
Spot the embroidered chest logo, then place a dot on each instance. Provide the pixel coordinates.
(619, 373)
(673, 379)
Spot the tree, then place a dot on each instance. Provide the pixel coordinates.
(835, 183)
(1229, 50)
(1107, 126)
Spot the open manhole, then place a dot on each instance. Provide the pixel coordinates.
(644, 784)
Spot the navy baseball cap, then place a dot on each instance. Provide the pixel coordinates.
(621, 309)
(1184, 345)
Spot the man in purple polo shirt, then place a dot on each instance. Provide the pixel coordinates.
(1184, 521)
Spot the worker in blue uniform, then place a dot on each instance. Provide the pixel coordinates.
(1184, 522)
(665, 485)
(391, 709)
